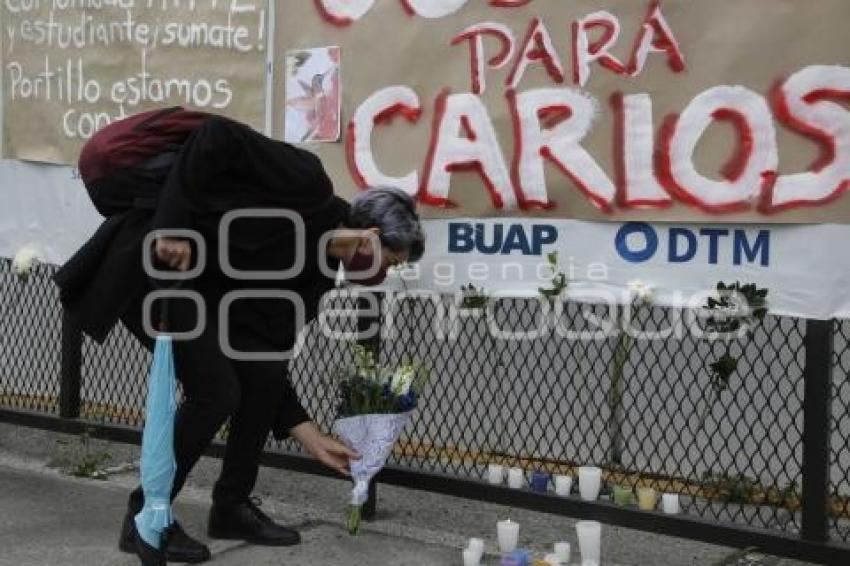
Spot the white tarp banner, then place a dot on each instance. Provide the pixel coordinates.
(44, 205)
(803, 266)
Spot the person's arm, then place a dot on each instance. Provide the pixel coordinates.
(294, 421)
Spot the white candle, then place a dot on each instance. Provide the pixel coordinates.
(496, 474)
(589, 482)
(563, 485)
(516, 478)
(562, 551)
(589, 542)
(670, 503)
(476, 545)
(508, 535)
(471, 558)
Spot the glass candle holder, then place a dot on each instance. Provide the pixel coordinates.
(563, 485)
(516, 478)
(495, 474)
(540, 482)
(647, 498)
(623, 495)
(670, 503)
(589, 542)
(476, 545)
(562, 551)
(508, 535)
(471, 558)
(589, 482)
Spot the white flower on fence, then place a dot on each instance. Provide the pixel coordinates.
(24, 260)
(641, 290)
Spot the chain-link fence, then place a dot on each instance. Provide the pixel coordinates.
(546, 403)
(734, 450)
(839, 472)
(30, 341)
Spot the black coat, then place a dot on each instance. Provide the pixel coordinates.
(221, 166)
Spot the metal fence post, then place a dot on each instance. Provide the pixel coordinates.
(817, 409)
(369, 334)
(71, 361)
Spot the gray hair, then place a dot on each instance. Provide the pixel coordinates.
(393, 212)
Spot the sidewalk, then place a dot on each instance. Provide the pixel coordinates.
(48, 517)
(52, 520)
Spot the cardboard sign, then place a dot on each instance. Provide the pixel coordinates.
(71, 67)
(673, 110)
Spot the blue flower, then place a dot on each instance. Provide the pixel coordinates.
(408, 401)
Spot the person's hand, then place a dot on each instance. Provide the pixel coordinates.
(176, 254)
(329, 451)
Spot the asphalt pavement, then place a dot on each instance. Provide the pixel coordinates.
(49, 517)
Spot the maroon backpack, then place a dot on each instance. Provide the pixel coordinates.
(135, 139)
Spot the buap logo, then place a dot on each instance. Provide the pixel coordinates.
(500, 238)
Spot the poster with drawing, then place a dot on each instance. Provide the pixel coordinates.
(312, 95)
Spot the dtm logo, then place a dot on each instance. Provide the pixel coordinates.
(465, 237)
(637, 242)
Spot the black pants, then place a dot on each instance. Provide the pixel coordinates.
(217, 388)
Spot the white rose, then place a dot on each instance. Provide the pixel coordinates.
(402, 380)
(640, 290)
(24, 260)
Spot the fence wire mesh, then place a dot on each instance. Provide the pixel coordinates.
(546, 403)
(839, 476)
(551, 402)
(30, 340)
(114, 379)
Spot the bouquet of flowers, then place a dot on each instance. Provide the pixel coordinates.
(375, 405)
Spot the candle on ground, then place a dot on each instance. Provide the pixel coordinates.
(647, 498)
(516, 478)
(508, 535)
(495, 474)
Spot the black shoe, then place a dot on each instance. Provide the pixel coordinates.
(245, 521)
(149, 555)
(179, 547)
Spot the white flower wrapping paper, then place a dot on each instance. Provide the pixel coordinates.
(373, 437)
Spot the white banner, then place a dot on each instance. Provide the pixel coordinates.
(805, 267)
(45, 206)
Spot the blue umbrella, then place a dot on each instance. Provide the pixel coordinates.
(157, 462)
